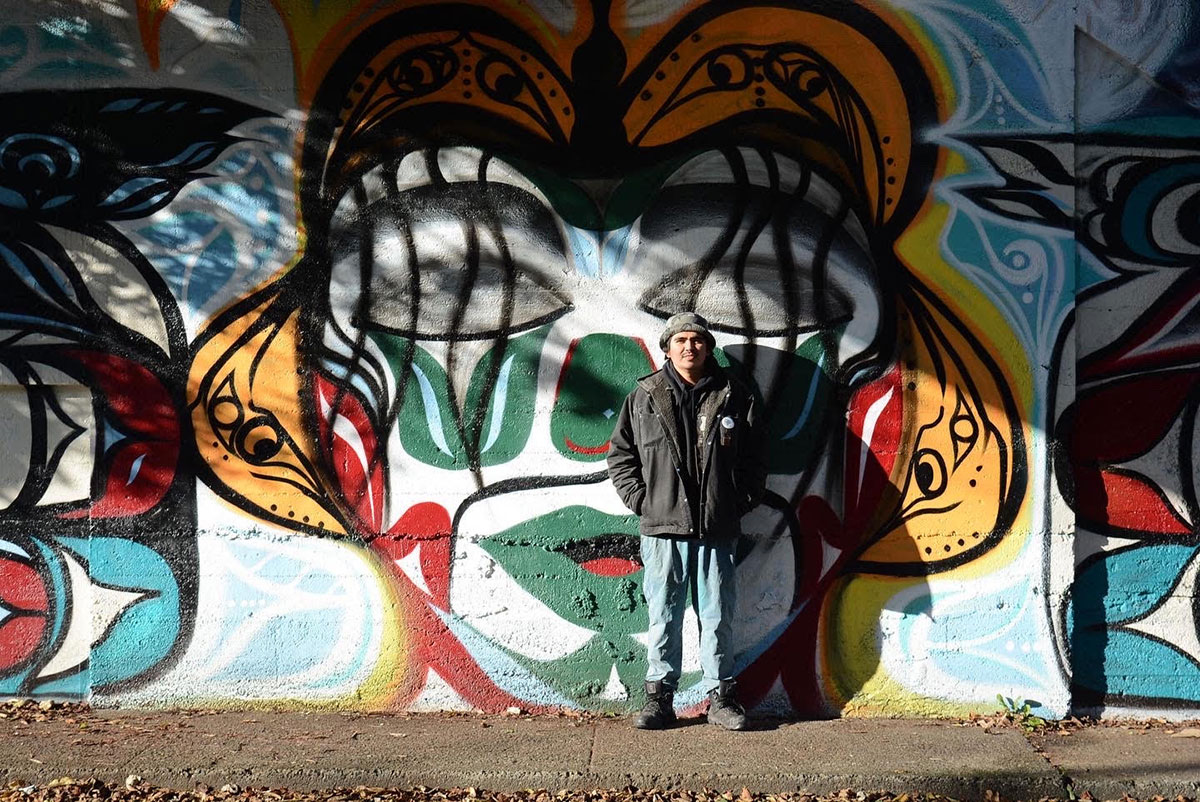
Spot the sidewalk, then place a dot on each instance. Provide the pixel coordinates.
(305, 751)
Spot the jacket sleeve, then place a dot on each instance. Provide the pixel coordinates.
(752, 460)
(624, 462)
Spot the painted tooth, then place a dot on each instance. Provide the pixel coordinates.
(791, 174)
(347, 210)
(823, 195)
(413, 171)
(501, 172)
(758, 172)
(459, 164)
(710, 167)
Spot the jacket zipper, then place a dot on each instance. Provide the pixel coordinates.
(708, 455)
(675, 465)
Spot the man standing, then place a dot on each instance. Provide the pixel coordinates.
(687, 458)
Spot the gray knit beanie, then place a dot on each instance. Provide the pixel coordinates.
(686, 321)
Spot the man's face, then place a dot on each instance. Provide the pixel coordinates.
(688, 351)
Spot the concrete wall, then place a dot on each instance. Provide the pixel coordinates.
(315, 317)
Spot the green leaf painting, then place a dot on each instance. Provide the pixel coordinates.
(494, 424)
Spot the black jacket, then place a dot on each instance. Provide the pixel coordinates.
(647, 463)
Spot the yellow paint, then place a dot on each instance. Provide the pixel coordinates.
(393, 661)
(320, 32)
(374, 104)
(242, 394)
(905, 22)
(856, 683)
(956, 471)
(920, 250)
(685, 99)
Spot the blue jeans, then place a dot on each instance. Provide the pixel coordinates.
(672, 569)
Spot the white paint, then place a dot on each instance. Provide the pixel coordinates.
(92, 610)
(766, 580)
(493, 603)
(16, 431)
(314, 633)
(614, 689)
(73, 474)
(437, 696)
(1174, 620)
(410, 565)
(115, 284)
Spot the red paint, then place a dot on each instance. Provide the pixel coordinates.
(589, 450)
(1113, 425)
(611, 566)
(1129, 502)
(359, 475)
(19, 639)
(428, 526)
(24, 599)
(866, 482)
(144, 409)
(793, 661)
(432, 645)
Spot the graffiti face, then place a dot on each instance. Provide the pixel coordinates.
(497, 350)
(491, 301)
(955, 262)
(499, 216)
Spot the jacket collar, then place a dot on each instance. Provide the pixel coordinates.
(658, 386)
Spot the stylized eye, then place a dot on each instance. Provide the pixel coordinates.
(964, 429)
(256, 437)
(796, 72)
(760, 245)
(450, 245)
(259, 439)
(252, 434)
(929, 473)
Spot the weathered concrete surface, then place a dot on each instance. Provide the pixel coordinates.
(318, 750)
(1114, 761)
(824, 756)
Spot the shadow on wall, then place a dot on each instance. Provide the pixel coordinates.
(492, 249)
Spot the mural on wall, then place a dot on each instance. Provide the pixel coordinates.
(310, 380)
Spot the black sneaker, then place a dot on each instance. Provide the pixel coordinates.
(723, 707)
(659, 711)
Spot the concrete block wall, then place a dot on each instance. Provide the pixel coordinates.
(315, 317)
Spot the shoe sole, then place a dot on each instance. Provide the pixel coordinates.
(741, 728)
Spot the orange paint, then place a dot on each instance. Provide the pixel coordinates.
(150, 14)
